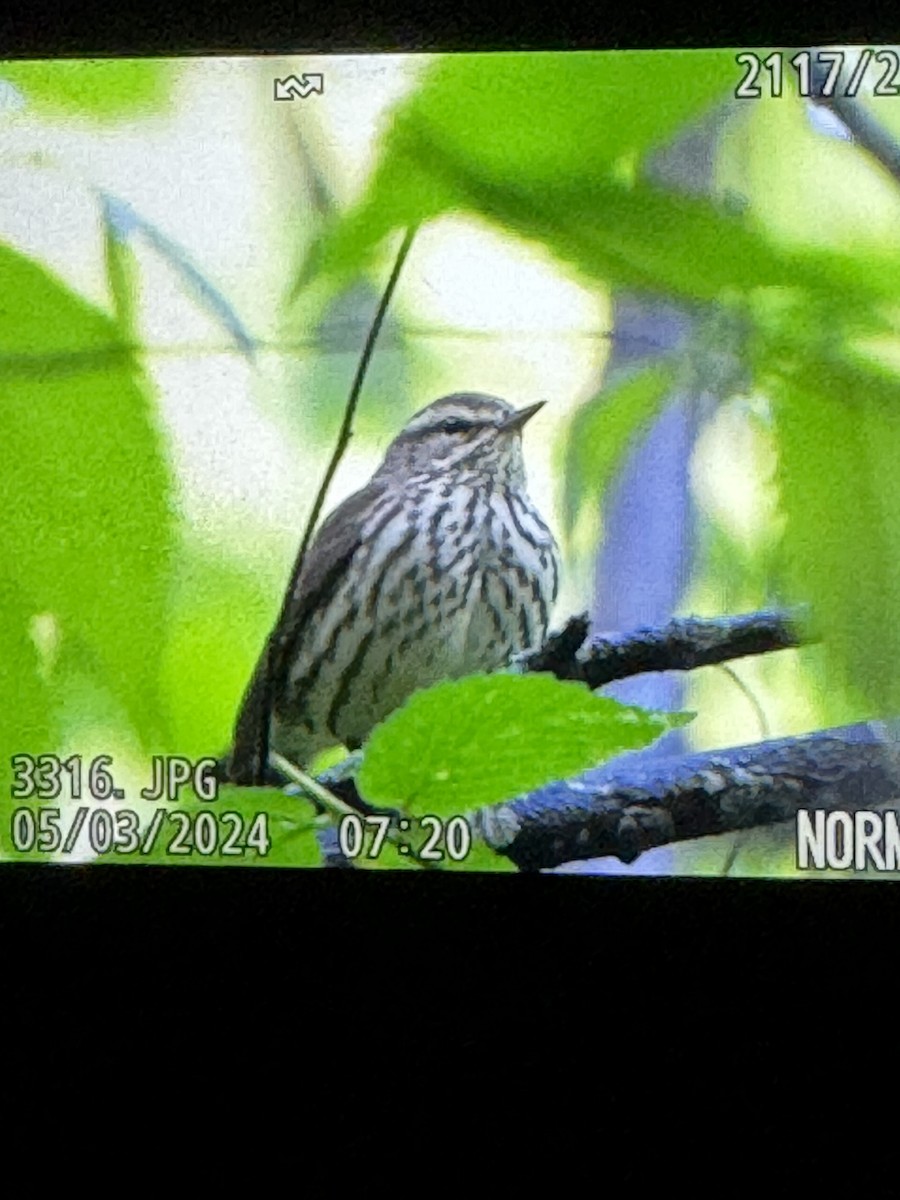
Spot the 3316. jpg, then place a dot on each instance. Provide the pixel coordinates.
(47, 776)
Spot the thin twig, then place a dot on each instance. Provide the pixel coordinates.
(332, 804)
(346, 429)
(749, 696)
(337, 808)
(260, 732)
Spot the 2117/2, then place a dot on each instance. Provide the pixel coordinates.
(820, 73)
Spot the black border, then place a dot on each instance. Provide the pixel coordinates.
(39, 28)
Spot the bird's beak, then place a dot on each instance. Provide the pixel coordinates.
(517, 419)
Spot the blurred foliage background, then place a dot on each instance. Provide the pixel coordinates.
(703, 289)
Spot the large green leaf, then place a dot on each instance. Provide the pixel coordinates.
(627, 235)
(87, 528)
(839, 436)
(475, 741)
(541, 117)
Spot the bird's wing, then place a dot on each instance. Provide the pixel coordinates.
(327, 560)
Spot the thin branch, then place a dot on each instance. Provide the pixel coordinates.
(631, 805)
(336, 807)
(683, 644)
(750, 696)
(326, 800)
(254, 740)
(346, 428)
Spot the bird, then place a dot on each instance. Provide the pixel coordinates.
(439, 567)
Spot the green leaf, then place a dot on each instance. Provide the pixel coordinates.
(478, 125)
(87, 528)
(220, 617)
(291, 825)
(28, 716)
(839, 431)
(471, 742)
(548, 167)
(540, 117)
(625, 235)
(602, 431)
(104, 89)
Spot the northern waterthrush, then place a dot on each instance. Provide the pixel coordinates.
(441, 566)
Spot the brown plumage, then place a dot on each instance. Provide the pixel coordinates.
(439, 567)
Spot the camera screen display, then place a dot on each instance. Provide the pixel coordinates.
(452, 462)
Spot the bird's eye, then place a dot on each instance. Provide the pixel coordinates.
(455, 425)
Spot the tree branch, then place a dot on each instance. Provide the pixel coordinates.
(681, 645)
(633, 804)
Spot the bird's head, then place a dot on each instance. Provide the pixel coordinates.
(468, 433)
